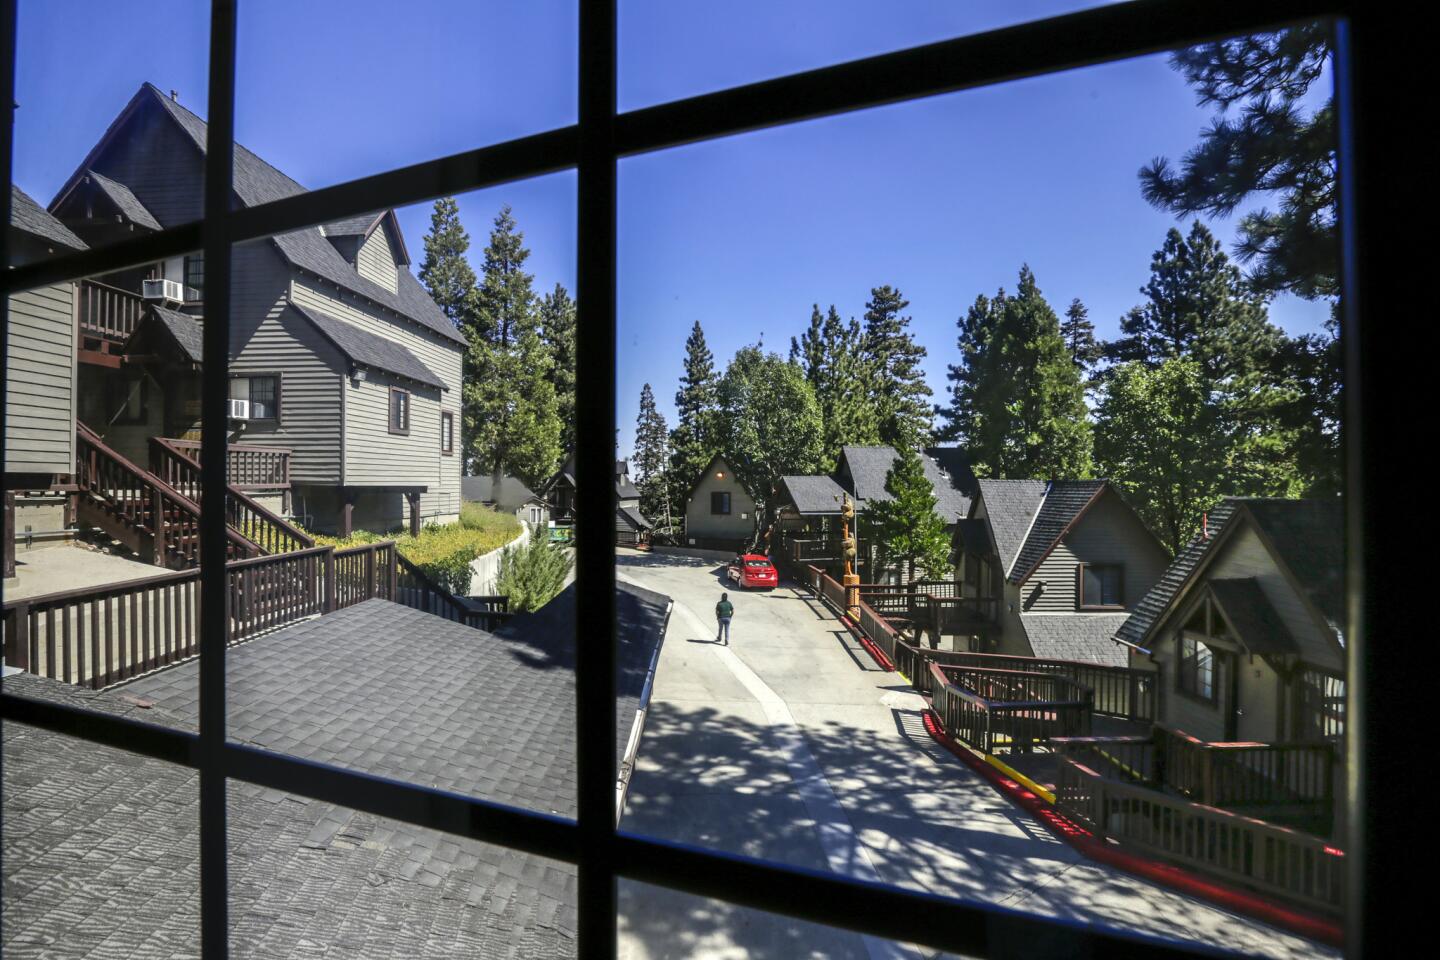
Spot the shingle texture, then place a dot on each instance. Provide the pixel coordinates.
(1152, 606)
(1309, 535)
(1259, 624)
(1010, 506)
(1063, 502)
(185, 331)
(632, 519)
(813, 495)
(257, 182)
(870, 468)
(101, 846)
(29, 217)
(1076, 636)
(369, 349)
(123, 199)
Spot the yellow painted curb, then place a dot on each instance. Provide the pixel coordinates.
(1020, 778)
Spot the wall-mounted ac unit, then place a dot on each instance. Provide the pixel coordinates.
(171, 290)
(239, 409)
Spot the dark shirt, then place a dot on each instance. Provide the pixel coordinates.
(724, 609)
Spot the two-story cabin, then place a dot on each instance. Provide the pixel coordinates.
(1054, 567)
(343, 372)
(1246, 626)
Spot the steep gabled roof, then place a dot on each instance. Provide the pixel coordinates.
(184, 332)
(257, 182)
(869, 468)
(813, 496)
(1309, 536)
(505, 491)
(29, 217)
(717, 458)
(1259, 626)
(1010, 506)
(1064, 502)
(369, 349)
(633, 518)
(359, 228)
(125, 201)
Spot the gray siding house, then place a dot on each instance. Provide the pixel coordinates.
(338, 356)
(1055, 567)
(719, 512)
(507, 494)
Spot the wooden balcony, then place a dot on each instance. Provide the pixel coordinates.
(250, 467)
(108, 313)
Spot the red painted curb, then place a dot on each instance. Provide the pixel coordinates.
(1183, 881)
(875, 652)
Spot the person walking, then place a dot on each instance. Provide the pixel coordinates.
(724, 610)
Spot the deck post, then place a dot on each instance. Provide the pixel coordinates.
(327, 604)
(347, 512)
(157, 523)
(9, 534)
(413, 497)
(17, 637)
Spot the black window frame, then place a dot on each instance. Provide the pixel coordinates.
(193, 273)
(406, 410)
(1082, 569)
(1367, 73)
(1187, 669)
(719, 498)
(279, 392)
(447, 433)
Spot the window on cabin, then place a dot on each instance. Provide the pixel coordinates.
(720, 502)
(1196, 673)
(260, 396)
(1101, 585)
(195, 272)
(447, 433)
(399, 410)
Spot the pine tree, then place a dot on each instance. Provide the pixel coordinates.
(829, 355)
(692, 443)
(906, 528)
(652, 457)
(1017, 401)
(1079, 334)
(557, 332)
(444, 271)
(809, 350)
(900, 395)
(504, 302)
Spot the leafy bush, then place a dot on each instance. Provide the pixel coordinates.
(533, 573)
(443, 553)
(477, 516)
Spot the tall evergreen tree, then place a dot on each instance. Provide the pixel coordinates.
(444, 271)
(652, 457)
(809, 350)
(1079, 334)
(900, 395)
(557, 332)
(1017, 401)
(692, 443)
(504, 301)
(830, 356)
(906, 528)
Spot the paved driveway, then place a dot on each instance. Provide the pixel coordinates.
(791, 744)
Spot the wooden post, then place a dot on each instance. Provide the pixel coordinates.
(9, 534)
(328, 603)
(347, 513)
(369, 571)
(414, 497)
(394, 573)
(157, 523)
(17, 637)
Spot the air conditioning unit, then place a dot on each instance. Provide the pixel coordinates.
(239, 409)
(164, 290)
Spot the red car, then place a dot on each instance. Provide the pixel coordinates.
(753, 570)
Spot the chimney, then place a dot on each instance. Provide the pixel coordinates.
(175, 95)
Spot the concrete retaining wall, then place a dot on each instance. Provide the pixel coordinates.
(485, 570)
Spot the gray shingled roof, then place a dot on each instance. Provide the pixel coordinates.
(633, 518)
(257, 182)
(949, 471)
(184, 332)
(29, 217)
(813, 495)
(1309, 535)
(870, 467)
(123, 199)
(1010, 506)
(1152, 606)
(510, 493)
(1064, 499)
(451, 706)
(355, 226)
(369, 349)
(1255, 619)
(1076, 636)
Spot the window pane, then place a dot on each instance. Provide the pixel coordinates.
(101, 847)
(446, 76)
(91, 125)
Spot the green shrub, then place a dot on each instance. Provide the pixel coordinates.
(443, 553)
(533, 573)
(477, 516)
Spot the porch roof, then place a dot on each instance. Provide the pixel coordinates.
(125, 201)
(1261, 628)
(180, 331)
(369, 350)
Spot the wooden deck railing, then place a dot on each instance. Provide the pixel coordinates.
(1122, 692)
(1246, 774)
(1265, 857)
(415, 589)
(1007, 710)
(250, 467)
(107, 311)
(171, 461)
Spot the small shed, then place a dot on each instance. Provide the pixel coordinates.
(719, 512)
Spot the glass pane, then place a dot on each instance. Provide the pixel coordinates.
(674, 50)
(810, 326)
(381, 633)
(101, 847)
(312, 876)
(107, 144)
(439, 78)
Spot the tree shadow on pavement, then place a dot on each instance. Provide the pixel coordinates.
(921, 819)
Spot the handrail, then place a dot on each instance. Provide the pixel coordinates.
(249, 466)
(183, 545)
(270, 532)
(109, 311)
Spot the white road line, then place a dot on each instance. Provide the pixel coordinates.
(843, 851)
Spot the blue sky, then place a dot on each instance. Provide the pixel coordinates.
(944, 197)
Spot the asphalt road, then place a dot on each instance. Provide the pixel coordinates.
(790, 744)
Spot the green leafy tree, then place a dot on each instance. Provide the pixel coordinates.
(692, 443)
(532, 574)
(1079, 334)
(652, 457)
(1263, 140)
(768, 424)
(830, 355)
(899, 394)
(1158, 435)
(444, 270)
(557, 332)
(905, 529)
(1017, 401)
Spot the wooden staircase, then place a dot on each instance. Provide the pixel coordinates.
(159, 522)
